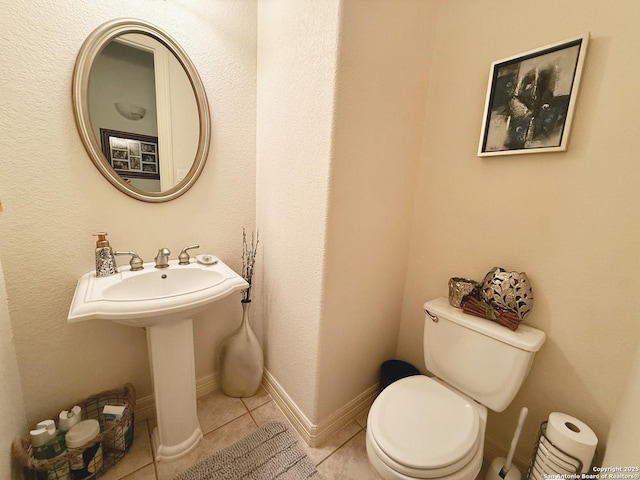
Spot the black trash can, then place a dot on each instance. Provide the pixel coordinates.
(393, 370)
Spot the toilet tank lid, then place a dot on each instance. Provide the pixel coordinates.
(524, 338)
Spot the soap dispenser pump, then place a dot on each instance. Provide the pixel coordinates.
(105, 260)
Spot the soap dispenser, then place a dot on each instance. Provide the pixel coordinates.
(105, 260)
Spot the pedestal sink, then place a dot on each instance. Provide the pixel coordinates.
(163, 301)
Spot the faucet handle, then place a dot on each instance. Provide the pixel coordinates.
(184, 256)
(135, 262)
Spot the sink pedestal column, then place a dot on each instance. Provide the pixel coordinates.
(171, 353)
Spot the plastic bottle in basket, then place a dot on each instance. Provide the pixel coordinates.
(47, 444)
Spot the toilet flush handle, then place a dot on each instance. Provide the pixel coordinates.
(432, 316)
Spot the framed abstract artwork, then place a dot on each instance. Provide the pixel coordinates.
(531, 98)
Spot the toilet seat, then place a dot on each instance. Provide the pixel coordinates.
(422, 429)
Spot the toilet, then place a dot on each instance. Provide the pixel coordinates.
(434, 426)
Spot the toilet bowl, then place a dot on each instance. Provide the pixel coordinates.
(420, 428)
(434, 427)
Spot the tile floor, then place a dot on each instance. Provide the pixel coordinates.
(225, 420)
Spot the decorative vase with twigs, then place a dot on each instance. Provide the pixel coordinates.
(241, 357)
(248, 261)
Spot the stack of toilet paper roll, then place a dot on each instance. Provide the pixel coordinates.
(567, 446)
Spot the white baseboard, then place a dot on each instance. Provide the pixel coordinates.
(206, 385)
(492, 449)
(300, 422)
(346, 414)
(314, 435)
(145, 408)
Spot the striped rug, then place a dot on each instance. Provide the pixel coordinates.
(269, 453)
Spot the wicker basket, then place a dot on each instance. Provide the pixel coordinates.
(115, 438)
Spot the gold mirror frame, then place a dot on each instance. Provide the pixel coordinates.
(91, 48)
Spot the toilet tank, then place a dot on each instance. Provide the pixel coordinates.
(478, 357)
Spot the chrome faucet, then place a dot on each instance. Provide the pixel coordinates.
(162, 259)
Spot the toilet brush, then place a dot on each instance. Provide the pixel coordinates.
(501, 469)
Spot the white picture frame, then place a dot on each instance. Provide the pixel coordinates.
(531, 98)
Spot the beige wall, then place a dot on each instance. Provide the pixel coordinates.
(624, 434)
(53, 198)
(570, 220)
(380, 98)
(297, 43)
(12, 416)
(341, 98)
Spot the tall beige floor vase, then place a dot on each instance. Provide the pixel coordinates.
(241, 359)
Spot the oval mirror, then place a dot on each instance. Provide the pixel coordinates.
(141, 110)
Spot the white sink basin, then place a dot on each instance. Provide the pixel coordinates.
(153, 295)
(163, 300)
(153, 285)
